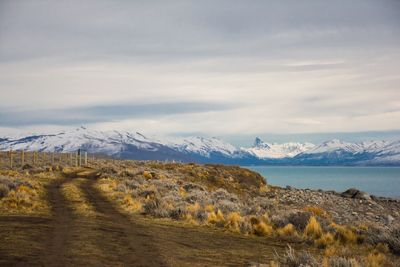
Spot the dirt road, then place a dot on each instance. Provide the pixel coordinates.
(111, 238)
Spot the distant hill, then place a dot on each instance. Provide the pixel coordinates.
(206, 150)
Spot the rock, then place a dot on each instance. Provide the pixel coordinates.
(349, 193)
(27, 167)
(389, 219)
(355, 193)
(288, 187)
(362, 195)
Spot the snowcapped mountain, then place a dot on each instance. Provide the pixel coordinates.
(124, 145)
(208, 150)
(264, 150)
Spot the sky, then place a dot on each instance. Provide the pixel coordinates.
(283, 70)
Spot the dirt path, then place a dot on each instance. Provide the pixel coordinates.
(110, 238)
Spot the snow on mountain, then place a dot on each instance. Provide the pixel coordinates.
(264, 150)
(202, 146)
(115, 142)
(335, 144)
(137, 146)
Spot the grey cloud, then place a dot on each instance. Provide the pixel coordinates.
(106, 113)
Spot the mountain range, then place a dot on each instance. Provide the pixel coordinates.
(128, 145)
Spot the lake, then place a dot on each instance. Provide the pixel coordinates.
(379, 181)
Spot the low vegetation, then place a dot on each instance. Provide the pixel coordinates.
(236, 199)
(227, 197)
(23, 192)
(72, 192)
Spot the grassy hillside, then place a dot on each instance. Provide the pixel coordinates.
(194, 214)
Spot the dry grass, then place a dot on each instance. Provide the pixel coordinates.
(22, 193)
(313, 228)
(287, 230)
(131, 205)
(74, 195)
(261, 227)
(375, 260)
(216, 218)
(147, 175)
(230, 198)
(327, 239)
(317, 211)
(345, 234)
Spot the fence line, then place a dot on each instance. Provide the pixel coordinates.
(19, 158)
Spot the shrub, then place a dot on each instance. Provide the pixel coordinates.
(121, 188)
(287, 230)
(313, 228)
(299, 220)
(131, 204)
(375, 260)
(216, 218)
(147, 175)
(279, 221)
(4, 190)
(340, 262)
(344, 234)
(325, 240)
(226, 205)
(391, 238)
(317, 211)
(233, 221)
(260, 227)
(293, 259)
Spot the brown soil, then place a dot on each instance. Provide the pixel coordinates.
(111, 238)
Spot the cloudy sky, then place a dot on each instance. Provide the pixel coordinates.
(231, 69)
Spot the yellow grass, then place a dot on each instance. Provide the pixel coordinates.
(345, 235)
(313, 228)
(193, 208)
(232, 221)
(216, 218)
(287, 230)
(182, 192)
(74, 194)
(317, 211)
(130, 204)
(262, 229)
(325, 240)
(147, 175)
(375, 260)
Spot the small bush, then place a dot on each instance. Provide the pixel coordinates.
(233, 221)
(391, 238)
(131, 204)
(299, 220)
(317, 211)
(293, 259)
(147, 175)
(262, 229)
(4, 190)
(340, 262)
(375, 260)
(313, 228)
(287, 230)
(325, 240)
(344, 234)
(216, 218)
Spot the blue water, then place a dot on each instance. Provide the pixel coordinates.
(379, 181)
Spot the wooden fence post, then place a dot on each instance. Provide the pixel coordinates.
(11, 159)
(85, 158)
(76, 159)
(22, 158)
(52, 158)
